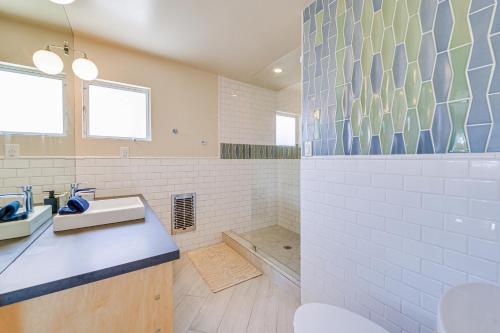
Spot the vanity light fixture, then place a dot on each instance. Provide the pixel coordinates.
(50, 63)
(85, 69)
(63, 2)
(278, 70)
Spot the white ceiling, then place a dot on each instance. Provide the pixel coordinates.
(240, 39)
(290, 63)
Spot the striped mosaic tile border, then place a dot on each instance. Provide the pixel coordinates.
(235, 151)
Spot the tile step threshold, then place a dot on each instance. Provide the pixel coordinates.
(278, 272)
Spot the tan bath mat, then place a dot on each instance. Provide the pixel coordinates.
(221, 267)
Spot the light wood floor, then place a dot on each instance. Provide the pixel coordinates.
(255, 306)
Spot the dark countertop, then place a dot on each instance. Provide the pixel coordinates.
(57, 261)
(10, 249)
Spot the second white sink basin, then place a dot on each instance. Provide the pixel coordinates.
(102, 212)
(470, 308)
(21, 228)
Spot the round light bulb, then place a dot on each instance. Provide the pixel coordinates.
(62, 2)
(85, 69)
(48, 62)
(278, 70)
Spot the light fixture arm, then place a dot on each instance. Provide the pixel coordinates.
(66, 49)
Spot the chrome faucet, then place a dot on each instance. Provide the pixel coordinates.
(27, 193)
(75, 189)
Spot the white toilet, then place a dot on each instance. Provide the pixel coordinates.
(323, 318)
(470, 307)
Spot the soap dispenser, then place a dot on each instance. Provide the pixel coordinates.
(51, 200)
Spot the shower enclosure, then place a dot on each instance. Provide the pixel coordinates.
(274, 231)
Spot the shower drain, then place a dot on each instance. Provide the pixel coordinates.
(287, 247)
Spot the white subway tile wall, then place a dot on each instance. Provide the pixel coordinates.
(240, 195)
(246, 113)
(387, 236)
(288, 196)
(289, 99)
(247, 116)
(43, 173)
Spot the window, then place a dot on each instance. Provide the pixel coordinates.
(285, 129)
(30, 102)
(118, 111)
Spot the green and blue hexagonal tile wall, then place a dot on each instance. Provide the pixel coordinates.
(401, 76)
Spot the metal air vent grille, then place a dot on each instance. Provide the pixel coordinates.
(183, 213)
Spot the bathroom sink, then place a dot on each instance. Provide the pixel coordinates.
(472, 307)
(102, 212)
(26, 227)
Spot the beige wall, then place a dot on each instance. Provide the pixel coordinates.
(18, 41)
(181, 97)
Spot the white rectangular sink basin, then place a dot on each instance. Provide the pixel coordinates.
(102, 212)
(26, 227)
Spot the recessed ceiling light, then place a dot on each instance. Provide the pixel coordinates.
(62, 2)
(278, 70)
(234, 95)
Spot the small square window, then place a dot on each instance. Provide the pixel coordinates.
(285, 129)
(31, 102)
(117, 111)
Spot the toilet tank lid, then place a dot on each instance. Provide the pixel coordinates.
(324, 318)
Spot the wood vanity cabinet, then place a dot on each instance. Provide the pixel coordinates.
(138, 302)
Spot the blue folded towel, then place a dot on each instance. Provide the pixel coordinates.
(9, 210)
(15, 217)
(75, 205)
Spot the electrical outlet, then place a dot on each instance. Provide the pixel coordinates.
(124, 152)
(11, 150)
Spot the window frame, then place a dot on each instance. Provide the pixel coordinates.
(32, 71)
(289, 115)
(118, 86)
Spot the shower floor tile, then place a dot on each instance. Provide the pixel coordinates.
(279, 243)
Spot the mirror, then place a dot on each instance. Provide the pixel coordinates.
(36, 110)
